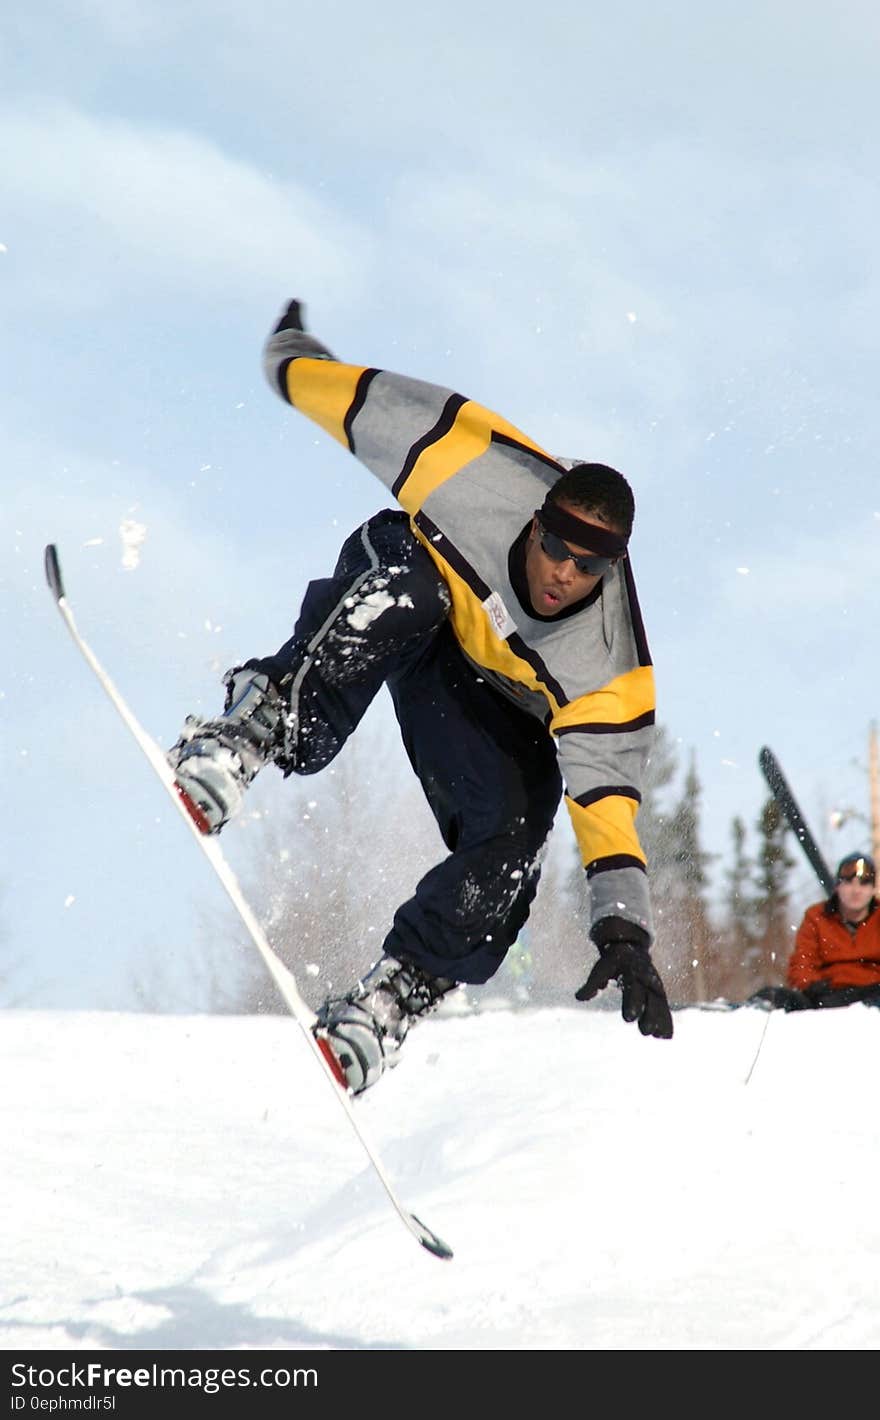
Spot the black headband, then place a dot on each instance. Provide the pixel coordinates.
(580, 532)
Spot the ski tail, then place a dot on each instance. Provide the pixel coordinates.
(781, 791)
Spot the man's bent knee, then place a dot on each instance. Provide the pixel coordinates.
(395, 591)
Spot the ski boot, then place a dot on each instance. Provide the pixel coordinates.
(214, 761)
(360, 1034)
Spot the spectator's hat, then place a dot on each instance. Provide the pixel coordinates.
(856, 865)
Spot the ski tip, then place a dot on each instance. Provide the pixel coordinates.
(430, 1241)
(53, 571)
(770, 767)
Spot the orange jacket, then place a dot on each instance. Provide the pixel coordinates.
(825, 949)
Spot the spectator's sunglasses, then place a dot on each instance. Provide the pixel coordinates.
(558, 551)
(855, 871)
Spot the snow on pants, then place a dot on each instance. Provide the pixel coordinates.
(488, 769)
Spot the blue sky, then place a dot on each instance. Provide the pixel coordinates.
(646, 237)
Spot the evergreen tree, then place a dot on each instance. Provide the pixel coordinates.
(692, 863)
(686, 948)
(742, 969)
(774, 864)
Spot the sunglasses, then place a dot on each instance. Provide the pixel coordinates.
(851, 875)
(558, 551)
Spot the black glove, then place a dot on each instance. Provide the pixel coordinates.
(644, 999)
(292, 319)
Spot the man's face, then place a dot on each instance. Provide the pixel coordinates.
(555, 585)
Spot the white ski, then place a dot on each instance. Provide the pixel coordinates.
(282, 977)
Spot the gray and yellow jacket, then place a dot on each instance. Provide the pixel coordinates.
(470, 483)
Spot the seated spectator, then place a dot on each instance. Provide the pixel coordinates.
(836, 957)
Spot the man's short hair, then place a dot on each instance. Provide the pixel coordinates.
(596, 488)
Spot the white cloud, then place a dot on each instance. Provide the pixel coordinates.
(127, 22)
(107, 202)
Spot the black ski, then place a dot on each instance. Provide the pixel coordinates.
(788, 804)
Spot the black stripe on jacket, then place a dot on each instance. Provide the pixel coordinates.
(443, 426)
(450, 553)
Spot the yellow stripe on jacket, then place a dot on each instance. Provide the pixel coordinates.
(324, 390)
(625, 698)
(606, 828)
(469, 437)
(474, 632)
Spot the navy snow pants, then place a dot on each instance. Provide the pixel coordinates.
(488, 769)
